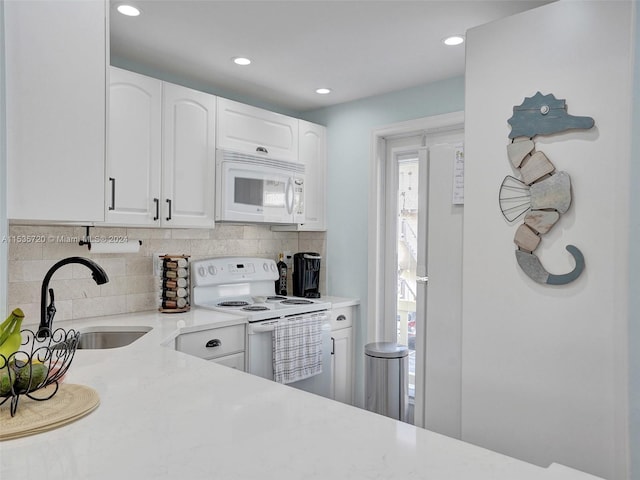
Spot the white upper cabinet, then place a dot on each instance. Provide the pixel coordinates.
(247, 129)
(161, 155)
(312, 147)
(134, 149)
(314, 157)
(188, 157)
(56, 58)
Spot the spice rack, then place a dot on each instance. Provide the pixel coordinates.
(174, 285)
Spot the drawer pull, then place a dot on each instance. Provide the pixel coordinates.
(340, 318)
(214, 343)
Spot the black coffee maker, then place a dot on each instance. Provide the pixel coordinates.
(306, 275)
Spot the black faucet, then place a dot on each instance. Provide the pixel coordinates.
(47, 312)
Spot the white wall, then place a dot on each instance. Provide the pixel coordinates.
(3, 175)
(634, 270)
(545, 368)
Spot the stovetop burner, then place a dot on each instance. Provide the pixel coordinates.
(274, 298)
(233, 303)
(255, 308)
(296, 301)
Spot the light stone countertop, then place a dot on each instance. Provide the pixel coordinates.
(167, 415)
(340, 302)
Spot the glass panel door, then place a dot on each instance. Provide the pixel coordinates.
(423, 272)
(407, 256)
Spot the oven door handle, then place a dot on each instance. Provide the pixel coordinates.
(263, 328)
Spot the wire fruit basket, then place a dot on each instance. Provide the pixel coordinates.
(42, 361)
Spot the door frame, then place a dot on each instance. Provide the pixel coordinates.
(377, 237)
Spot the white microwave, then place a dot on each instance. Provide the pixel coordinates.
(250, 188)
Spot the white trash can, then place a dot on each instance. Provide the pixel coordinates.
(386, 379)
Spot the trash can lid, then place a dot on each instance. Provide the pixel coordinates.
(386, 350)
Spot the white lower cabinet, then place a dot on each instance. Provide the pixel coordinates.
(161, 153)
(342, 353)
(232, 361)
(223, 345)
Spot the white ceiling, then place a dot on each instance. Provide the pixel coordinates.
(357, 48)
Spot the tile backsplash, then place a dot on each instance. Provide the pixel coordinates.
(132, 286)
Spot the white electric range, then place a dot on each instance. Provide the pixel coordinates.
(246, 286)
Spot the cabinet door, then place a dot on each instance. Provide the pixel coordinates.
(248, 129)
(188, 157)
(133, 154)
(342, 365)
(313, 155)
(56, 60)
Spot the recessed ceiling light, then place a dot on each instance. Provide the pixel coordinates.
(453, 40)
(129, 10)
(241, 61)
(323, 91)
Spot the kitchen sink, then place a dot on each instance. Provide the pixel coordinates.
(110, 337)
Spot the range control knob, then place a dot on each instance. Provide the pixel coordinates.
(265, 266)
(201, 271)
(212, 269)
(273, 267)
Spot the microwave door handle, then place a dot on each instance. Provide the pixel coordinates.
(289, 195)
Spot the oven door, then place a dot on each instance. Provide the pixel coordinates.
(260, 357)
(251, 189)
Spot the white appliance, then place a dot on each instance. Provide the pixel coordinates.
(246, 286)
(250, 188)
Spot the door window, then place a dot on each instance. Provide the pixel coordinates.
(407, 256)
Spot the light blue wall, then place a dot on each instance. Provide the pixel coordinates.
(634, 269)
(349, 128)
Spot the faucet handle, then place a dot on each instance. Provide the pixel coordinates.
(51, 309)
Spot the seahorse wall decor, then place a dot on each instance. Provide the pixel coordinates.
(542, 193)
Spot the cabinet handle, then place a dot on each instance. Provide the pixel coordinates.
(157, 202)
(169, 202)
(262, 150)
(214, 343)
(340, 318)
(333, 346)
(113, 193)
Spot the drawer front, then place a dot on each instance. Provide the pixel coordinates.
(212, 343)
(341, 318)
(232, 361)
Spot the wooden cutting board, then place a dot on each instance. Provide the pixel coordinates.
(70, 403)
